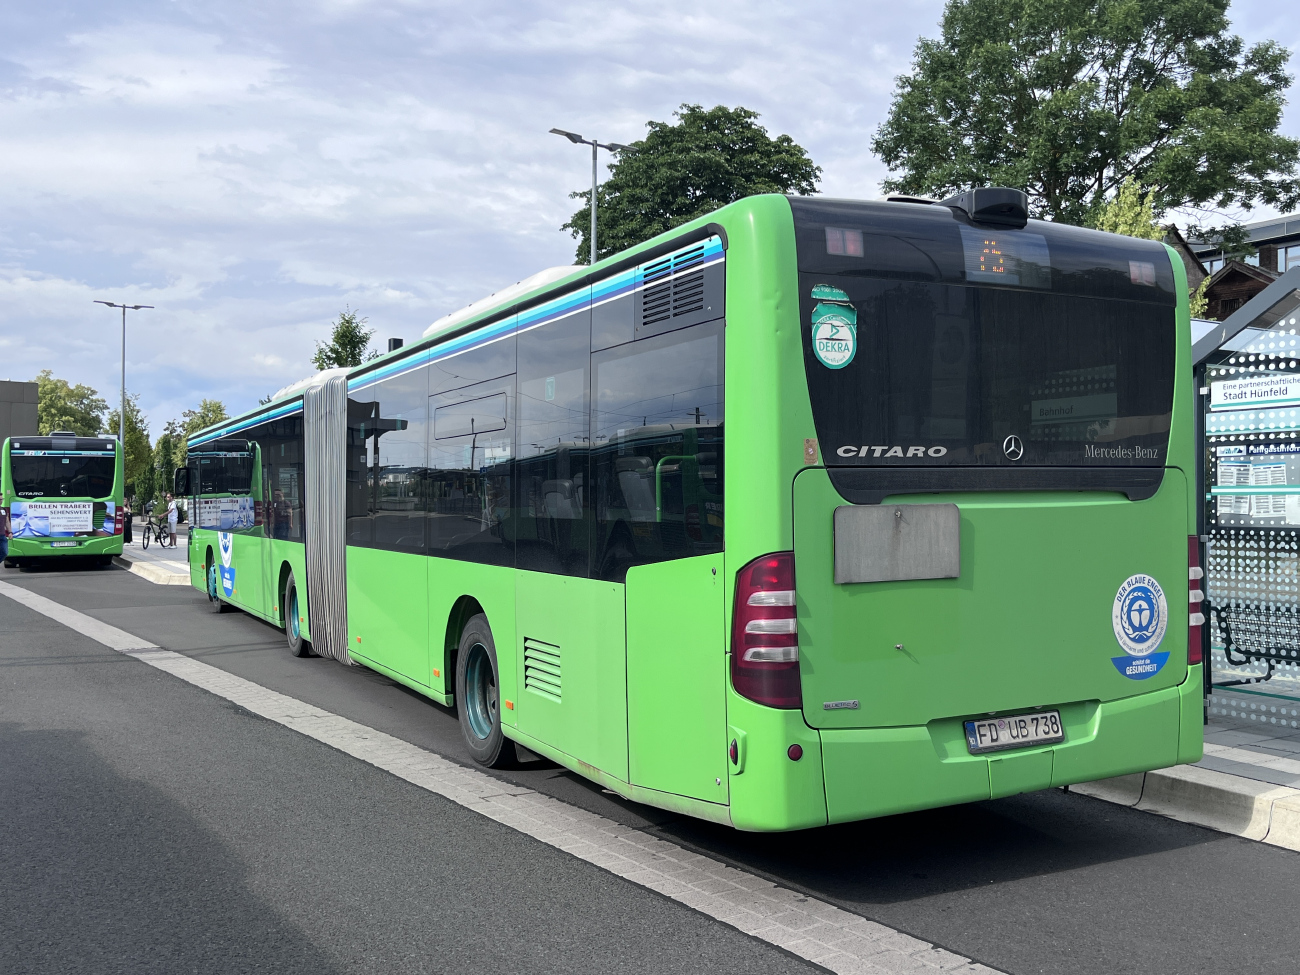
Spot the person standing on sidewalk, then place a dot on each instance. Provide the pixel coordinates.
(172, 515)
(126, 522)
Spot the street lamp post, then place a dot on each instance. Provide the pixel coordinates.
(121, 420)
(611, 147)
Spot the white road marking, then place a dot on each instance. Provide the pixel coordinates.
(812, 929)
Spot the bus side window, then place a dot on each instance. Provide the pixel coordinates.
(657, 438)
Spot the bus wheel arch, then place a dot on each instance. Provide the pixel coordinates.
(298, 645)
(282, 591)
(211, 583)
(462, 611)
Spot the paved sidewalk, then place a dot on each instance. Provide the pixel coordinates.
(1248, 783)
(164, 566)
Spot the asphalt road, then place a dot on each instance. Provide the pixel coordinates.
(153, 827)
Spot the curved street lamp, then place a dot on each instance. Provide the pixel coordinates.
(611, 147)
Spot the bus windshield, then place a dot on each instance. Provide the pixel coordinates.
(79, 475)
(932, 343)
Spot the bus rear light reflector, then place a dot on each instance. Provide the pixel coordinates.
(772, 626)
(776, 655)
(779, 597)
(1195, 618)
(765, 633)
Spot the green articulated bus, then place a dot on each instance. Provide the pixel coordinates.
(808, 511)
(63, 494)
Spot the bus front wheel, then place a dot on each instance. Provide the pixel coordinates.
(478, 698)
(298, 646)
(214, 587)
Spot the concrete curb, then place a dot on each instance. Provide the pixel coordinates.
(153, 573)
(1228, 803)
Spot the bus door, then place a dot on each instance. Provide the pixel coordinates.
(657, 492)
(571, 663)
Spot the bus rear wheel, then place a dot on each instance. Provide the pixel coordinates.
(478, 698)
(298, 646)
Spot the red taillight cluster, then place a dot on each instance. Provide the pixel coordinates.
(119, 520)
(765, 633)
(1195, 618)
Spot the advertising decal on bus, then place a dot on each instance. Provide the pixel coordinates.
(1139, 617)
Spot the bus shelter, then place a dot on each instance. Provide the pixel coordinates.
(1248, 386)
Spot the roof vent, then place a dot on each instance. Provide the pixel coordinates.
(910, 199)
(998, 206)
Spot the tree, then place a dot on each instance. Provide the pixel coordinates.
(168, 454)
(347, 345)
(683, 170)
(1065, 99)
(138, 459)
(1130, 213)
(61, 406)
(210, 411)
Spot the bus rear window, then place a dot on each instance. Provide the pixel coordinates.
(67, 476)
(960, 347)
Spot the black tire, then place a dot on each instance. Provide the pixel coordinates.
(10, 564)
(106, 560)
(213, 585)
(478, 700)
(298, 646)
(144, 537)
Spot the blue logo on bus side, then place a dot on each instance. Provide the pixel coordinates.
(226, 545)
(1139, 617)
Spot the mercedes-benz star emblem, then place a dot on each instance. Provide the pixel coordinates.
(1013, 448)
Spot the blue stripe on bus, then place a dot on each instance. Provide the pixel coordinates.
(288, 409)
(607, 289)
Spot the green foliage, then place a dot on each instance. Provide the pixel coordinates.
(347, 345)
(139, 453)
(683, 170)
(61, 406)
(210, 411)
(168, 454)
(1067, 98)
(1129, 213)
(1197, 303)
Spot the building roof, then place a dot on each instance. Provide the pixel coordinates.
(1264, 231)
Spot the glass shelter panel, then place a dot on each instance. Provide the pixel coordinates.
(1252, 496)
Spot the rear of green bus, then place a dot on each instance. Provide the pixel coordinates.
(63, 496)
(992, 582)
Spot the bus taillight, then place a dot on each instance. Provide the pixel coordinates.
(119, 520)
(765, 633)
(1195, 618)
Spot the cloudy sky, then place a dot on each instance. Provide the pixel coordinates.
(251, 168)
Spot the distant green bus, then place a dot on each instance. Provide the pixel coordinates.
(805, 512)
(63, 494)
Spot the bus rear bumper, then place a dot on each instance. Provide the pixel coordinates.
(873, 772)
(31, 548)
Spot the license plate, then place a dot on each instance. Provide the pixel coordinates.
(63, 544)
(1014, 731)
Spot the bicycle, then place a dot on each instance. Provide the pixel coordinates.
(157, 529)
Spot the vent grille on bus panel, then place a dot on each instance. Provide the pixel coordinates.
(542, 668)
(674, 286)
